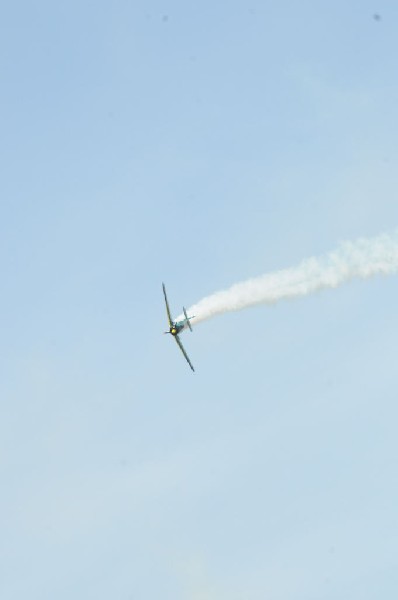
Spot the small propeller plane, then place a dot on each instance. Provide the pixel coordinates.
(177, 326)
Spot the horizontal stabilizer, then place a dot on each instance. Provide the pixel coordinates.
(186, 316)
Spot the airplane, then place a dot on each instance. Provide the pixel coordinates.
(177, 327)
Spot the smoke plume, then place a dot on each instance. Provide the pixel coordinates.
(360, 259)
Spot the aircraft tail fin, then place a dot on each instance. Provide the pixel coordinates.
(187, 318)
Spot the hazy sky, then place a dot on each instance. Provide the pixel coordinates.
(197, 144)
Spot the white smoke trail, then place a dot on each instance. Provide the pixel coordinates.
(362, 258)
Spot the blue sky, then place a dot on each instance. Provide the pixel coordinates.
(200, 145)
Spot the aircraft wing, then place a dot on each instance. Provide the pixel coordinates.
(167, 306)
(177, 339)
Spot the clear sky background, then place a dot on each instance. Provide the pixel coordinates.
(198, 144)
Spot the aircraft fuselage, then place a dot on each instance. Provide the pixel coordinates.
(177, 327)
